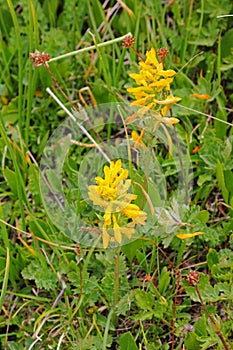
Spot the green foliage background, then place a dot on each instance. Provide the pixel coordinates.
(34, 267)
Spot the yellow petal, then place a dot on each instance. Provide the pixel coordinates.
(107, 219)
(127, 231)
(95, 197)
(132, 211)
(188, 235)
(105, 237)
(201, 96)
(167, 73)
(170, 121)
(138, 139)
(151, 57)
(168, 101)
(117, 230)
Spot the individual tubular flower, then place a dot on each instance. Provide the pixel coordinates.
(189, 235)
(111, 193)
(154, 85)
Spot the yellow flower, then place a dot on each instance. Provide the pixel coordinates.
(170, 121)
(138, 139)
(132, 211)
(154, 85)
(111, 193)
(189, 235)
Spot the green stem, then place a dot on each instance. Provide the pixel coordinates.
(89, 48)
(217, 331)
(184, 180)
(20, 64)
(20, 182)
(32, 74)
(4, 230)
(5, 279)
(116, 283)
(106, 331)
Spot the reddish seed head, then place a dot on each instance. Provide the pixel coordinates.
(39, 58)
(128, 41)
(162, 53)
(192, 278)
(147, 278)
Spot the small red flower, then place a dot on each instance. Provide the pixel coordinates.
(128, 41)
(39, 58)
(162, 53)
(193, 278)
(147, 278)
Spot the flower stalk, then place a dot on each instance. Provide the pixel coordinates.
(215, 322)
(90, 48)
(193, 279)
(116, 284)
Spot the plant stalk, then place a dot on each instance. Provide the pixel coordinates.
(89, 48)
(116, 283)
(217, 331)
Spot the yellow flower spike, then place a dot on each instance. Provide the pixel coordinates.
(111, 193)
(188, 235)
(154, 84)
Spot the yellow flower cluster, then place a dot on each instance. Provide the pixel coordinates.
(154, 86)
(111, 193)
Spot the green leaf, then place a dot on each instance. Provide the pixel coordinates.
(221, 180)
(144, 315)
(221, 128)
(14, 346)
(145, 300)
(127, 342)
(33, 182)
(50, 9)
(43, 277)
(9, 113)
(227, 43)
(212, 257)
(11, 180)
(54, 181)
(5, 23)
(200, 327)
(203, 178)
(228, 174)
(191, 342)
(164, 280)
(203, 216)
(92, 342)
(130, 250)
